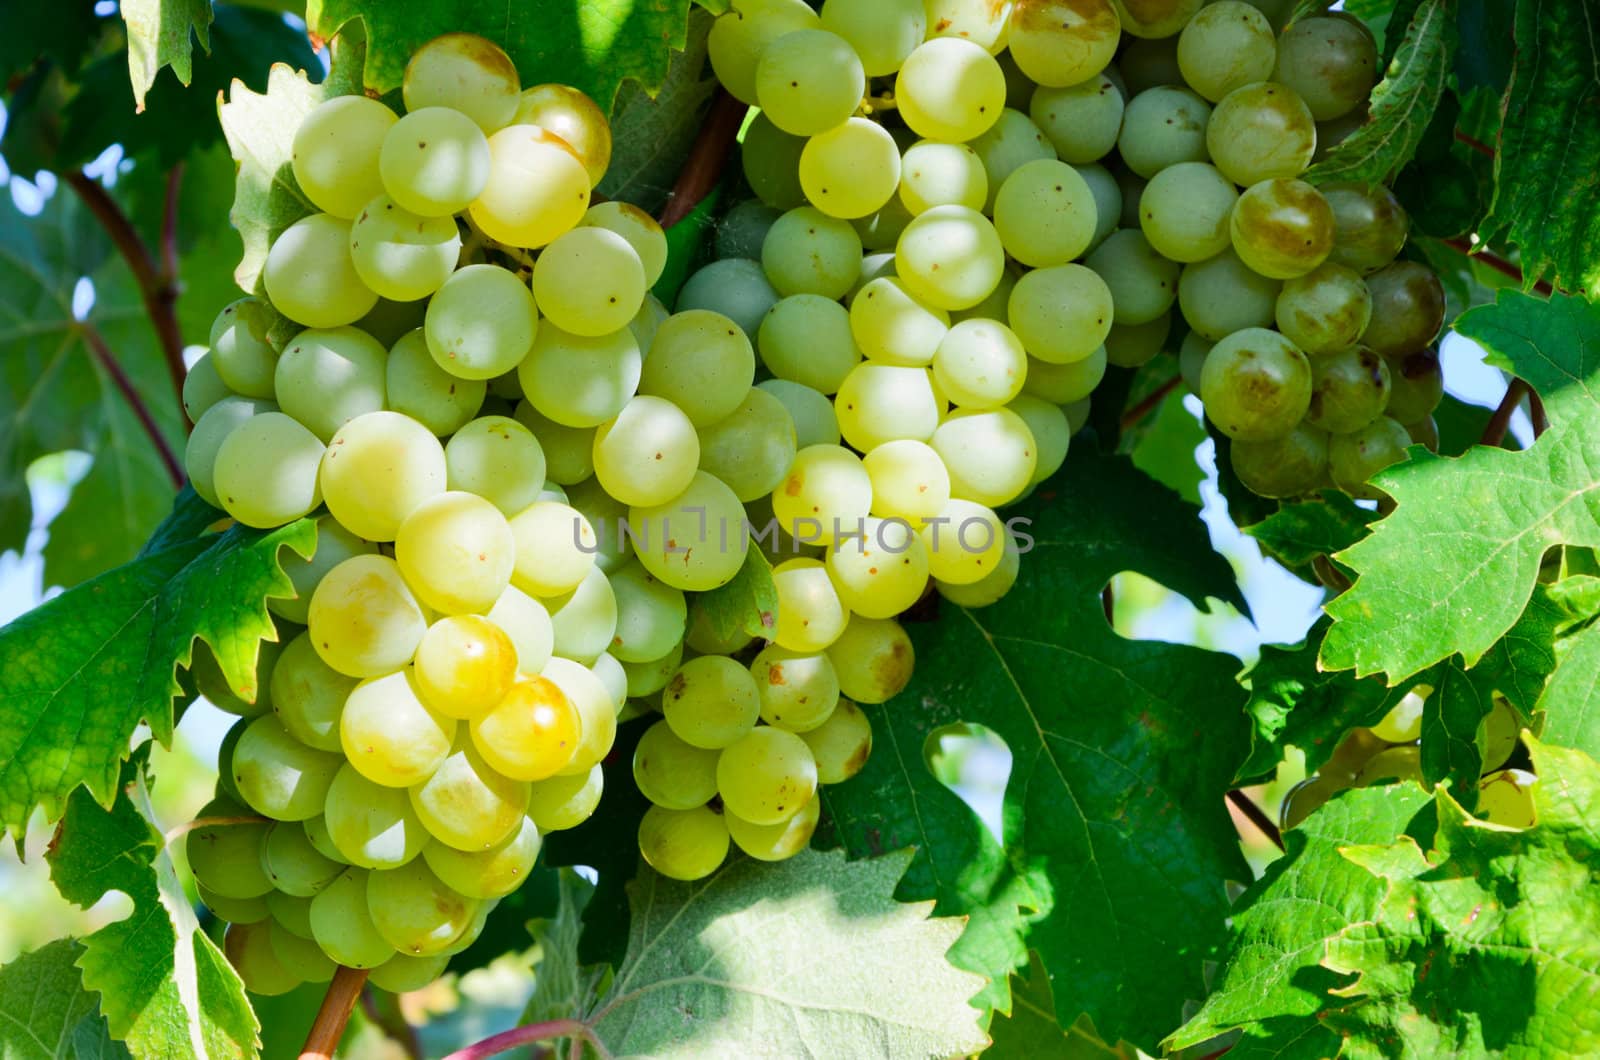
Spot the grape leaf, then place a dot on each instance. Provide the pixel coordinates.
(1298, 533)
(1547, 168)
(1402, 104)
(1113, 827)
(1271, 982)
(1430, 587)
(1031, 1030)
(1165, 449)
(1483, 60)
(813, 949)
(48, 1015)
(159, 35)
(594, 46)
(563, 988)
(61, 32)
(164, 986)
(748, 603)
(1487, 945)
(78, 673)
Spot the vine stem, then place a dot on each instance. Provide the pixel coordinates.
(337, 1004)
(119, 377)
(1494, 432)
(577, 1030)
(1151, 401)
(707, 158)
(1256, 816)
(1476, 145)
(179, 831)
(158, 284)
(1463, 245)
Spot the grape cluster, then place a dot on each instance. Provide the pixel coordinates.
(1027, 193)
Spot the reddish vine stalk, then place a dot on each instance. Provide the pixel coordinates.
(1462, 245)
(1494, 432)
(1151, 402)
(1476, 145)
(337, 1004)
(1256, 816)
(707, 158)
(528, 1034)
(120, 379)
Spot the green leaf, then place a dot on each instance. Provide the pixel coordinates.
(749, 602)
(78, 673)
(1165, 450)
(158, 35)
(1402, 104)
(1485, 946)
(1031, 1030)
(1112, 825)
(563, 988)
(813, 949)
(165, 987)
(1298, 533)
(687, 247)
(593, 46)
(1271, 982)
(48, 1015)
(1547, 178)
(1429, 587)
(28, 32)
(1483, 60)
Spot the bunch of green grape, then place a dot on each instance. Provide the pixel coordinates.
(964, 210)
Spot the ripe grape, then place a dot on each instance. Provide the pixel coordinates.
(1226, 45)
(1044, 213)
(435, 162)
(457, 552)
(941, 174)
(371, 825)
(1289, 466)
(466, 804)
(574, 117)
(327, 377)
(279, 776)
(949, 90)
(650, 677)
(584, 621)
(1283, 229)
(293, 864)
(1222, 295)
(210, 681)
(240, 352)
(343, 926)
(841, 744)
(1508, 798)
(775, 842)
(811, 614)
(1011, 143)
(1417, 386)
(265, 471)
(554, 548)
(537, 189)
(404, 973)
(1331, 61)
(770, 159)
(377, 469)
(809, 81)
(878, 572)
(1369, 225)
(563, 802)
(697, 540)
(980, 364)
(1163, 126)
(533, 733)
(711, 701)
(464, 72)
(880, 403)
(1082, 120)
(672, 773)
(1062, 384)
(651, 617)
(249, 949)
(1063, 42)
(806, 251)
(882, 33)
(311, 278)
(683, 844)
(1256, 385)
(308, 695)
(990, 454)
(767, 776)
(202, 387)
(1407, 308)
(985, 23)
(335, 153)
(1326, 310)
(481, 323)
(417, 387)
(364, 620)
(891, 326)
(568, 451)
(497, 458)
(1354, 458)
(638, 228)
(850, 170)
(465, 665)
(416, 912)
(703, 363)
(966, 541)
(1047, 426)
(648, 454)
(815, 422)
(1134, 345)
(390, 734)
(950, 257)
(527, 623)
(226, 858)
(590, 698)
(992, 586)
(1139, 283)
(751, 449)
(491, 873)
(589, 282)
(234, 910)
(1155, 18)
(1260, 132)
(807, 339)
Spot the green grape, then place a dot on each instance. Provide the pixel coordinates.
(533, 733)
(364, 620)
(1330, 134)
(637, 228)
(767, 776)
(326, 378)
(320, 838)
(402, 255)
(697, 540)
(456, 552)
(1077, 414)
(1163, 126)
(1222, 295)
(1260, 132)
(751, 450)
(1155, 18)
(378, 468)
(991, 456)
(889, 325)
(554, 548)
(574, 117)
(370, 824)
(1062, 314)
(807, 339)
(240, 353)
(648, 678)
(1226, 45)
(1417, 386)
(1045, 213)
(1403, 724)
(651, 617)
(950, 257)
(584, 621)
(1290, 466)
(226, 788)
(1283, 229)
(279, 776)
(1011, 143)
(1140, 284)
(1369, 225)
(882, 33)
(434, 162)
(1330, 61)
(589, 282)
(537, 189)
(212, 683)
(909, 482)
(202, 387)
(1047, 425)
(563, 802)
(683, 844)
(491, 873)
(1184, 211)
(1192, 358)
(1081, 120)
(1256, 385)
(880, 231)
(850, 170)
(873, 658)
(1326, 310)
(672, 773)
(775, 842)
(710, 702)
(335, 153)
(940, 174)
(614, 677)
(990, 588)
(343, 926)
(310, 277)
(745, 226)
(293, 864)
(1354, 458)
(308, 695)
(878, 572)
(497, 458)
(233, 910)
(1507, 798)
(388, 321)
(568, 451)
(735, 288)
(985, 23)
(965, 542)
(770, 159)
(1131, 189)
(808, 252)
(403, 973)
(809, 81)
(248, 948)
(1107, 201)
(226, 858)
(417, 387)
(465, 804)
(465, 665)
(301, 954)
(1498, 733)
(950, 90)
(1145, 64)
(527, 623)
(1019, 86)
(593, 703)
(1390, 765)
(644, 325)
(1407, 310)
(815, 422)
(1135, 345)
(1062, 384)
(1063, 42)
(390, 734)
(827, 489)
(481, 323)
(811, 614)
(880, 403)
(703, 363)
(841, 744)
(416, 912)
(740, 36)
(648, 454)
(464, 72)
(265, 471)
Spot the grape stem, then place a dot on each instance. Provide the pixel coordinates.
(1150, 403)
(577, 1030)
(337, 1004)
(1476, 145)
(707, 157)
(178, 832)
(1482, 254)
(1256, 816)
(119, 378)
(874, 104)
(1494, 432)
